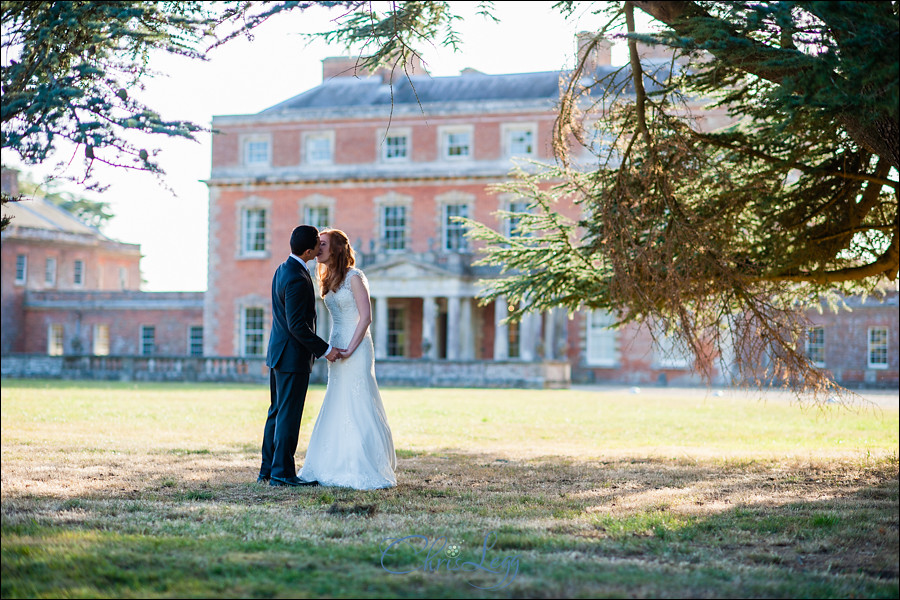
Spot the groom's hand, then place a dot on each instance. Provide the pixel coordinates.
(334, 354)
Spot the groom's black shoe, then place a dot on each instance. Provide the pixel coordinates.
(292, 481)
(262, 479)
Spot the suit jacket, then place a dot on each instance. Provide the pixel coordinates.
(293, 343)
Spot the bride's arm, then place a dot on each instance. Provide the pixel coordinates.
(361, 296)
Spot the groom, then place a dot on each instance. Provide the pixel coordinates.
(293, 346)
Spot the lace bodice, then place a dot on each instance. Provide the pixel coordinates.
(342, 307)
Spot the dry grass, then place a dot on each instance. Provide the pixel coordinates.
(661, 520)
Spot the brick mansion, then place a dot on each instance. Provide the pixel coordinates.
(391, 163)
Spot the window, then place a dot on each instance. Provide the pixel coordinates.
(254, 332)
(454, 231)
(815, 346)
(396, 147)
(514, 329)
(148, 340)
(878, 348)
(55, 340)
(21, 269)
(396, 336)
(101, 340)
(78, 273)
(195, 340)
(669, 354)
(514, 221)
(318, 148)
(253, 234)
(317, 216)
(602, 350)
(123, 278)
(520, 141)
(256, 152)
(50, 272)
(457, 143)
(393, 227)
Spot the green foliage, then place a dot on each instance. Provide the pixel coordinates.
(70, 70)
(721, 237)
(95, 213)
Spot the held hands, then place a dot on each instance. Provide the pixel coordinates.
(335, 354)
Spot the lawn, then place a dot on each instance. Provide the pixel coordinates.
(148, 490)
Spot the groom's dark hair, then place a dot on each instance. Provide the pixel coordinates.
(303, 238)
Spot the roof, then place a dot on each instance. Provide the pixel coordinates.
(38, 213)
(423, 89)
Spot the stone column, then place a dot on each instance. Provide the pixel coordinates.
(453, 333)
(466, 333)
(550, 334)
(429, 328)
(527, 337)
(380, 323)
(501, 331)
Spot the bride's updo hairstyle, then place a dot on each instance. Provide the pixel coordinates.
(332, 273)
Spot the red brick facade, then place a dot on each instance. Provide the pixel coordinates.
(68, 289)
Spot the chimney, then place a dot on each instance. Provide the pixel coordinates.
(343, 66)
(654, 53)
(597, 49)
(413, 67)
(10, 179)
(351, 66)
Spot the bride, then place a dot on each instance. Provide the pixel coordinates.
(351, 443)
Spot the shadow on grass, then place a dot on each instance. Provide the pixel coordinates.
(637, 527)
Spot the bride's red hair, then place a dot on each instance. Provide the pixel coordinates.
(332, 273)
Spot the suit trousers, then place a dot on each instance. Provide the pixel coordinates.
(282, 431)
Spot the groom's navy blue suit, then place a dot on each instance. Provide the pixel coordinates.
(293, 347)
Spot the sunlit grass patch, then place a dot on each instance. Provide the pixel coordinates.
(593, 494)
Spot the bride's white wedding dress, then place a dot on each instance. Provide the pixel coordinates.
(351, 443)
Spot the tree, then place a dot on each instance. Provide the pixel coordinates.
(71, 71)
(95, 213)
(724, 238)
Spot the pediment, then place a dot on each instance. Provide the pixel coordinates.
(407, 269)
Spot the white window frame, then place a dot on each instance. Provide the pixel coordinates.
(21, 269)
(602, 340)
(816, 345)
(882, 345)
(310, 154)
(668, 353)
(399, 241)
(396, 134)
(123, 278)
(251, 155)
(245, 249)
(50, 271)
(191, 340)
(310, 205)
(245, 331)
(511, 129)
(144, 338)
(445, 136)
(448, 227)
(382, 203)
(78, 273)
(100, 344)
(514, 205)
(242, 214)
(56, 340)
(319, 216)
